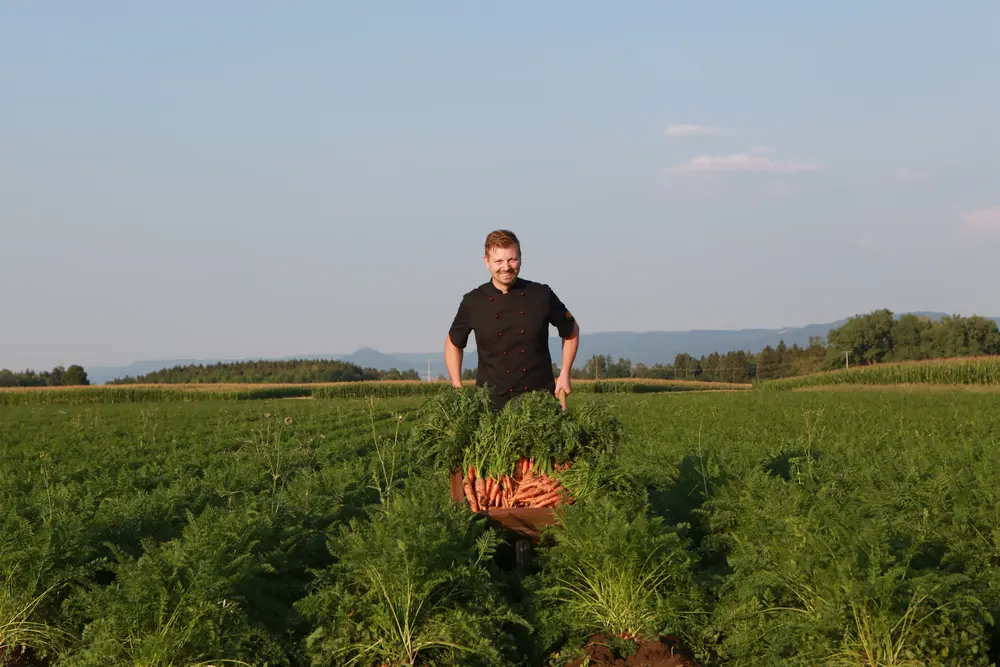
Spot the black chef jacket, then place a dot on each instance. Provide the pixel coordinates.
(512, 335)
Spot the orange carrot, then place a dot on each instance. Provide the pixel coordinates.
(484, 500)
(470, 495)
(547, 500)
(481, 488)
(531, 496)
(541, 481)
(474, 479)
(527, 490)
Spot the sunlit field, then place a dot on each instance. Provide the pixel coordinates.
(750, 528)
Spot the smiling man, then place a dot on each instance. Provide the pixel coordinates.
(510, 317)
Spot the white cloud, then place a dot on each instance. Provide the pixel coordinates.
(686, 130)
(907, 175)
(983, 220)
(762, 149)
(747, 163)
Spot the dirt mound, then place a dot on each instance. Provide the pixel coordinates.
(664, 652)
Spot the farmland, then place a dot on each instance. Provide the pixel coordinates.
(969, 371)
(146, 393)
(842, 528)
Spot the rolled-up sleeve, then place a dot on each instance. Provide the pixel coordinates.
(461, 326)
(559, 316)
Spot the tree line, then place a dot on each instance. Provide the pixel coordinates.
(875, 337)
(872, 338)
(291, 371)
(59, 376)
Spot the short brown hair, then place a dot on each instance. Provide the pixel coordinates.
(502, 238)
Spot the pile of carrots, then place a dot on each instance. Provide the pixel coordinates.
(524, 489)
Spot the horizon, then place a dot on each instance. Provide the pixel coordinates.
(236, 180)
(432, 355)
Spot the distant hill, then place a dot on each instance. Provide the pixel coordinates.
(651, 347)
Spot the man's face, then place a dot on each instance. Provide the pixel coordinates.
(504, 264)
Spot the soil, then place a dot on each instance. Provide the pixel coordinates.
(664, 652)
(19, 659)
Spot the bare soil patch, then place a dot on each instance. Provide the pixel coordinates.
(17, 658)
(664, 652)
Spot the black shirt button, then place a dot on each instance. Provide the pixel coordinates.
(505, 351)
(508, 371)
(522, 330)
(496, 315)
(522, 312)
(522, 350)
(522, 293)
(501, 333)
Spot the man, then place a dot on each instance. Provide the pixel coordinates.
(511, 318)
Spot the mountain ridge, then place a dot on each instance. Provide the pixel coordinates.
(648, 347)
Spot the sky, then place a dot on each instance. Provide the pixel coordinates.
(255, 179)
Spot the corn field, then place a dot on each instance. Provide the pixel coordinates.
(983, 371)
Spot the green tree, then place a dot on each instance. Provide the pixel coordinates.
(686, 367)
(620, 369)
(868, 338)
(75, 375)
(596, 366)
(768, 364)
(908, 337)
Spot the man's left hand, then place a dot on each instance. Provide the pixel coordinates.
(563, 385)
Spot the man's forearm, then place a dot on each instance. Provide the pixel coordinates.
(570, 346)
(453, 361)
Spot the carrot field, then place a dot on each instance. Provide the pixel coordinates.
(157, 393)
(752, 528)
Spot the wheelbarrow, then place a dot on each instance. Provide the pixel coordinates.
(523, 523)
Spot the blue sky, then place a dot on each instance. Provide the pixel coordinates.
(230, 179)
